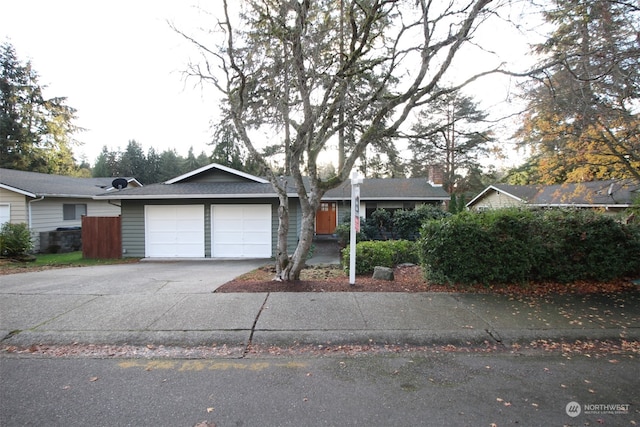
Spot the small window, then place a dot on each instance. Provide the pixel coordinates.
(73, 212)
(5, 213)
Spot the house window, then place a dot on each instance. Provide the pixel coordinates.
(73, 212)
(5, 213)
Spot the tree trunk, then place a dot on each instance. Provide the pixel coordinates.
(297, 261)
(309, 203)
(282, 257)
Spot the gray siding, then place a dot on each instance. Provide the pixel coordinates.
(216, 175)
(133, 229)
(295, 216)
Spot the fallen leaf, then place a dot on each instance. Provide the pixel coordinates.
(499, 399)
(209, 410)
(93, 379)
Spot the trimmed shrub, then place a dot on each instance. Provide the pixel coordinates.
(15, 240)
(383, 225)
(406, 223)
(515, 245)
(384, 253)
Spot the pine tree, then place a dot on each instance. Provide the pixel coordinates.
(35, 133)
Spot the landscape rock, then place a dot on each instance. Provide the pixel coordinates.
(382, 273)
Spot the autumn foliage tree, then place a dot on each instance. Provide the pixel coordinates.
(582, 123)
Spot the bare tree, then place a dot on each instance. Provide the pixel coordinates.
(321, 74)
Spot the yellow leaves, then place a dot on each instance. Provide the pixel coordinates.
(501, 400)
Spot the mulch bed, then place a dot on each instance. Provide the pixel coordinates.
(406, 279)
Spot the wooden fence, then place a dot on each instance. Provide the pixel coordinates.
(101, 237)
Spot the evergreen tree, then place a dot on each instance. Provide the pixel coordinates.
(452, 134)
(35, 133)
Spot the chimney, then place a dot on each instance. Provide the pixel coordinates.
(436, 175)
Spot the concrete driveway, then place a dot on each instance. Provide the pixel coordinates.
(146, 277)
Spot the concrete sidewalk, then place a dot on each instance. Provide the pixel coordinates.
(173, 304)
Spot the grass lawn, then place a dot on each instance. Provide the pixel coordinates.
(70, 259)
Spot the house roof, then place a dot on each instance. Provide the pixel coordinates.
(34, 184)
(612, 192)
(218, 182)
(390, 189)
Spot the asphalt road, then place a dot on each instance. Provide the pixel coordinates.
(409, 389)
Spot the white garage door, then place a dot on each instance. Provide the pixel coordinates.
(241, 231)
(175, 231)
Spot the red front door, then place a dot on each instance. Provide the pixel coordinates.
(326, 218)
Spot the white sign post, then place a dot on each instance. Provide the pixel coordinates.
(355, 225)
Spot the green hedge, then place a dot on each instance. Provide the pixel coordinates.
(384, 253)
(516, 245)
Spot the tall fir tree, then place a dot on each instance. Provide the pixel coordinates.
(36, 134)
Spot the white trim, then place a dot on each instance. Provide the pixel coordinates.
(8, 205)
(497, 190)
(17, 190)
(579, 205)
(120, 196)
(220, 167)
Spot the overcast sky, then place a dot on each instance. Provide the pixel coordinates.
(119, 64)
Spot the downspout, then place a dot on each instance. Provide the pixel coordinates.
(33, 201)
(30, 220)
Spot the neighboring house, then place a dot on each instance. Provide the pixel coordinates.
(49, 202)
(612, 196)
(219, 212)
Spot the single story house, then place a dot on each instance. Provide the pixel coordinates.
(51, 202)
(611, 196)
(219, 212)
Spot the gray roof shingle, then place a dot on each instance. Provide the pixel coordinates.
(371, 189)
(40, 184)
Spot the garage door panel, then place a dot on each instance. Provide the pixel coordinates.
(174, 231)
(241, 231)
